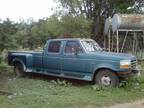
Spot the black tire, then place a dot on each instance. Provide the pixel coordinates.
(19, 70)
(106, 78)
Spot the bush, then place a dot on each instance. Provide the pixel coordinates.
(0, 59)
(3, 64)
(133, 83)
(3, 67)
(61, 83)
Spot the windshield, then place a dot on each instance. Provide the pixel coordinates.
(91, 46)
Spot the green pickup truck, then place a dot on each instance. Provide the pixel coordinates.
(75, 58)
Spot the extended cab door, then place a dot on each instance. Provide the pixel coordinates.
(73, 64)
(52, 57)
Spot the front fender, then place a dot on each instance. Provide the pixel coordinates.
(112, 67)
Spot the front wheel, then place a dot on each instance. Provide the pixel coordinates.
(106, 78)
(19, 71)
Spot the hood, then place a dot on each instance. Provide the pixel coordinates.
(113, 56)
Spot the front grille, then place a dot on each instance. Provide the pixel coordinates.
(133, 64)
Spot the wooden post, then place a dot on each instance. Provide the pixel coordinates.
(117, 41)
(109, 41)
(133, 48)
(124, 41)
(105, 43)
(112, 47)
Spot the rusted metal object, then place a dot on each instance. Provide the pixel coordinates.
(127, 22)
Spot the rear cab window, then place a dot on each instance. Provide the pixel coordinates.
(72, 47)
(54, 47)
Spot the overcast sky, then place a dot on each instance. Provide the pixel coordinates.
(24, 9)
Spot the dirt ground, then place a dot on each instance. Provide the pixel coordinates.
(136, 104)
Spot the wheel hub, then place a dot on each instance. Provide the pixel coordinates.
(105, 80)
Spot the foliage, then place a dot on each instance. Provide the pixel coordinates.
(137, 7)
(35, 93)
(60, 83)
(96, 11)
(3, 65)
(7, 31)
(81, 18)
(35, 34)
(75, 26)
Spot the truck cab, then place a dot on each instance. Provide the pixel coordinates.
(75, 58)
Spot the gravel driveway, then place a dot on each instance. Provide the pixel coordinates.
(135, 104)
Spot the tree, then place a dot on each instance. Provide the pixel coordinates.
(24, 35)
(96, 11)
(7, 31)
(55, 27)
(138, 7)
(75, 26)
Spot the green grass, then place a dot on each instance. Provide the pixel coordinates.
(37, 93)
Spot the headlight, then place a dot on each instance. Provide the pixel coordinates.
(125, 64)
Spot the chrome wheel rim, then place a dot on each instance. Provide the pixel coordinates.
(106, 80)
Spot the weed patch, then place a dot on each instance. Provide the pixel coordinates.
(59, 82)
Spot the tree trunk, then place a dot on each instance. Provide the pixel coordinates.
(96, 30)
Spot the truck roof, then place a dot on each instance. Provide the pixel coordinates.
(65, 39)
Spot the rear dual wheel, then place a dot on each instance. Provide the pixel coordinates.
(19, 70)
(106, 78)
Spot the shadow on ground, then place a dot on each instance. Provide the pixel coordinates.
(49, 78)
(4, 76)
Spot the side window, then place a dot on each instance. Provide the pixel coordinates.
(54, 47)
(72, 47)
